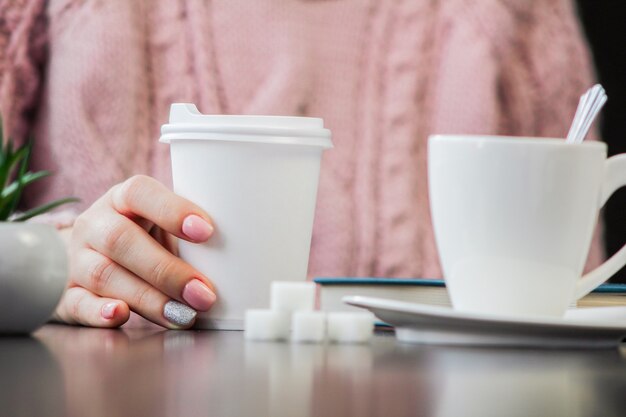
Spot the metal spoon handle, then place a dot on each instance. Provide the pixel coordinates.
(573, 129)
(597, 105)
(589, 106)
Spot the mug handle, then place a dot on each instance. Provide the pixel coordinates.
(614, 178)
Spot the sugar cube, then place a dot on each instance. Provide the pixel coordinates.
(292, 296)
(308, 326)
(349, 327)
(266, 325)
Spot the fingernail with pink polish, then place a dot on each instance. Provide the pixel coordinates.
(108, 310)
(196, 228)
(198, 295)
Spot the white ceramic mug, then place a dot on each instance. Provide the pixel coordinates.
(257, 178)
(514, 218)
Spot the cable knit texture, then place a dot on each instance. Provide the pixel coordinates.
(94, 80)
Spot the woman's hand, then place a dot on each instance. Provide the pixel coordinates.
(116, 265)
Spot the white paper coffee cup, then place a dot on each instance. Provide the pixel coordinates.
(257, 177)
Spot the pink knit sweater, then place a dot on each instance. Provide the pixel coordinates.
(95, 79)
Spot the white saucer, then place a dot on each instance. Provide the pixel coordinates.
(600, 327)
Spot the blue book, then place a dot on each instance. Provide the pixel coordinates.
(423, 291)
(428, 291)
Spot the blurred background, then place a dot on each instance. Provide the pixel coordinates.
(603, 21)
(96, 78)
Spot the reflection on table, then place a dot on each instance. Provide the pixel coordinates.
(75, 371)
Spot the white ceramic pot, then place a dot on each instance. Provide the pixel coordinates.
(33, 275)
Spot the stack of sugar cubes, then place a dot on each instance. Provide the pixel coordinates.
(292, 314)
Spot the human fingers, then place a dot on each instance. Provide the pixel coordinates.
(144, 197)
(101, 275)
(167, 240)
(80, 306)
(127, 244)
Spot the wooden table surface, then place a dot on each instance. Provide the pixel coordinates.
(74, 371)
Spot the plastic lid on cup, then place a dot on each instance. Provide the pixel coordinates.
(187, 123)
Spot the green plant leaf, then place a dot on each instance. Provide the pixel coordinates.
(28, 178)
(21, 157)
(3, 203)
(3, 152)
(4, 163)
(14, 176)
(44, 208)
(9, 197)
(4, 212)
(10, 160)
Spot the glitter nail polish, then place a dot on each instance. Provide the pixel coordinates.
(178, 313)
